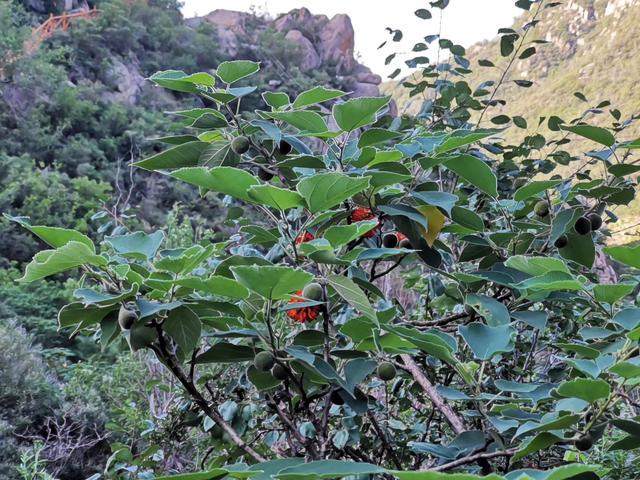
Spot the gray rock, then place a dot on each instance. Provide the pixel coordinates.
(310, 58)
(336, 43)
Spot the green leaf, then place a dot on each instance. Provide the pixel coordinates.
(339, 235)
(460, 138)
(230, 72)
(80, 315)
(184, 327)
(580, 249)
(184, 155)
(486, 341)
(70, 255)
(626, 254)
(374, 136)
(621, 170)
(536, 266)
(467, 218)
(327, 469)
(181, 82)
(276, 99)
(271, 282)
(329, 189)
(445, 201)
(585, 389)
(431, 475)
(315, 95)
(53, 236)
(306, 121)
(597, 134)
(228, 180)
(535, 444)
(626, 369)
(627, 318)
(276, 197)
(354, 296)
(533, 188)
(494, 312)
(224, 352)
(474, 171)
(612, 293)
(138, 245)
(358, 112)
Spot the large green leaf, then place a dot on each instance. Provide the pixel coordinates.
(276, 197)
(354, 295)
(580, 249)
(460, 138)
(304, 120)
(70, 255)
(136, 245)
(626, 254)
(493, 311)
(179, 81)
(228, 180)
(613, 292)
(474, 171)
(53, 236)
(597, 134)
(358, 112)
(339, 235)
(230, 72)
(271, 282)
(328, 469)
(585, 389)
(215, 285)
(535, 444)
(224, 352)
(536, 266)
(486, 341)
(329, 189)
(315, 95)
(181, 156)
(534, 188)
(184, 327)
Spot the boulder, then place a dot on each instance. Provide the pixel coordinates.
(230, 26)
(125, 82)
(336, 43)
(310, 58)
(294, 20)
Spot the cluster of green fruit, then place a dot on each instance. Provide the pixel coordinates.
(241, 145)
(583, 225)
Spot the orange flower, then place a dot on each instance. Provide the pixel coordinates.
(304, 314)
(400, 236)
(304, 237)
(360, 214)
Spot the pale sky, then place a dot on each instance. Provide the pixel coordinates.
(464, 21)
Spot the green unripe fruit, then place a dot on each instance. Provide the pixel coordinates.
(584, 443)
(126, 318)
(264, 361)
(542, 208)
(405, 243)
(264, 174)
(582, 226)
(336, 398)
(284, 147)
(595, 220)
(240, 145)
(313, 291)
(386, 371)
(561, 241)
(389, 240)
(279, 372)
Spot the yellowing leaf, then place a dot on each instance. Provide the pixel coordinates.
(435, 221)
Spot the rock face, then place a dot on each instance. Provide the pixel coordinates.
(323, 43)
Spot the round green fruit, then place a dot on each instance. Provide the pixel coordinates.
(561, 241)
(313, 291)
(264, 174)
(126, 318)
(582, 226)
(386, 371)
(336, 398)
(264, 361)
(584, 443)
(389, 240)
(284, 147)
(279, 372)
(595, 220)
(240, 145)
(541, 208)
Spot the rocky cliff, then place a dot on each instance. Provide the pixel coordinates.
(323, 43)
